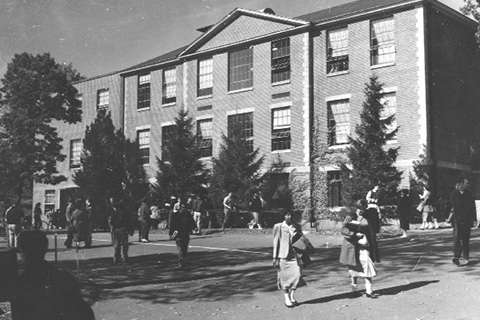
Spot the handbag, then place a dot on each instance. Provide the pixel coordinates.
(363, 242)
(303, 245)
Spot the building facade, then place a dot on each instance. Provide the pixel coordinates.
(279, 77)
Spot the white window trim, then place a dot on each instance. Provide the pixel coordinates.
(204, 117)
(144, 127)
(240, 111)
(338, 97)
(281, 105)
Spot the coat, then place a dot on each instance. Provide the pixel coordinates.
(282, 241)
(182, 222)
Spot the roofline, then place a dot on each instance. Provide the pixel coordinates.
(453, 13)
(232, 15)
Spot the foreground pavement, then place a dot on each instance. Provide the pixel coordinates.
(230, 276)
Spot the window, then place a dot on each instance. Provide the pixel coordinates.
(338, 118)
(334, 189)
(337, 50)
(280, 197)
(79, 97)
(169, 92)
(390, 109)
(103, 99)
(143, 91)
(240, 69)
(75, 153)
(167, 135)
(382, 41)
(204, 136)
(281, 60)
(205, 77)
(143, 138)
(49, 203)
(241, 124)
(281, 129)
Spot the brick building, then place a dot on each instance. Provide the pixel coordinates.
(276, 75)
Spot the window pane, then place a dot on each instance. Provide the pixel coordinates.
(143, 138)
(205, 77)
(281, 136)
(75, 153)
(382, 41)
(169, 91)
(49, 196)
(103, 99)
(244, 124)
(280, 60)
(204, 136)
(334, 189)
(389, 109)
(143, 91)
(338, 122)
(240, 66)
(167, 135)
(337, 50)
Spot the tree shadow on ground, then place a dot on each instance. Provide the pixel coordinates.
(220, 275)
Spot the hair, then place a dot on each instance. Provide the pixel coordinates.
(33, 244)
(37, 205)
(361, 204)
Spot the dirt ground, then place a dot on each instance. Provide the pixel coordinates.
(230, 276)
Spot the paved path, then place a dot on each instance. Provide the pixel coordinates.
(231, 277)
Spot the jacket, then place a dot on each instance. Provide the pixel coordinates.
(282, 241)
(182, 222)
(463, 206)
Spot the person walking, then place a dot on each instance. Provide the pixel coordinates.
(427, 209)
(155, 216)
(359, 247)
(144, 217)
(256, 205)
(229, 211)
(69, 222)
(463, 219)
(89, 208)
(181, 224)
(198, 211)
(122, 227)
(44, 292)
(37, 216)
(15, 218)
(80, 223)
(404, 206)
(285, 260)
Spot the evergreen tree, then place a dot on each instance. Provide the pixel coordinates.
(180, 171)
(370, 162)
(237, 169)
(35, 91)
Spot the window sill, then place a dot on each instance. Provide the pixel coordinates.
(240, 90)
(383, 65)
(280, 83)
(169, 104)
(340, 73)
(205, 97)
(281, 151)
(340, 146)
(143, 109)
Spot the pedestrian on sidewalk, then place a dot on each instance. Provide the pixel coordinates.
(427, 209)
(122, 227)
(229, 218)
(181, 224)
(289, 271)
(256, 206)
(15, 218)
(144, 217)
(359, 247)
(80, 223)
(198, 211)
(37, 216)
(44, 292)
(404, 206)
(69, 220)
(463, 219)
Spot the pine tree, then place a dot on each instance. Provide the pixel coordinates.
(35, 91)
(370, 162)
(236, 169)
(180, 172)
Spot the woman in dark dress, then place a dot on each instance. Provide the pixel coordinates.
(404, 205)
(359, 248)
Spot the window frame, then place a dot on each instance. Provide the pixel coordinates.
(204, 76)
(384, 115)
(236, 70)
(281, 136)
(376, 57)
(245, 120)
(144, 91)
(205, 143)
(281, 63)
(337, 63)
(144, 148)
(334, 179)
(101, 99)
(169, 84)
(332, 125)
(75, 155)
(167, 134)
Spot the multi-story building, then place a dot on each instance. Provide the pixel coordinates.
(276, 76)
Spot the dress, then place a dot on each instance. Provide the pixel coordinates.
(404, 205)
(80, 225)
(289, 274)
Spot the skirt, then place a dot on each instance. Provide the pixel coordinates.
(368, 268)
(290, 275)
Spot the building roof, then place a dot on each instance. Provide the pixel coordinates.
(164, 57)
(347, 9)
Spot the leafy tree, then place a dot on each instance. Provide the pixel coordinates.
(472, 9)
(180, 172)
(35, 91)
(370, 163)
(110, 164)
(236, 169)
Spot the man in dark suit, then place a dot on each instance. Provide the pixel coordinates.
(463, 219)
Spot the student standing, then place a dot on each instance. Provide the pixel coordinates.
(181, 224)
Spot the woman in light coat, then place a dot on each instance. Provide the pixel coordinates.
(285, 260)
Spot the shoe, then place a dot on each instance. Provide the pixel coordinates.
(295, 303)
(456, 261)
(371, 296)
(124, 260)
(260, 228)
(145, 241)
(467, 262)
(289, 305)
(404, 236)
(250, 227)
(115, 260)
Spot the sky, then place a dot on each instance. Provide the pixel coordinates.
(103, 36)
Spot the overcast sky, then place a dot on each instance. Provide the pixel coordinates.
(102, 36)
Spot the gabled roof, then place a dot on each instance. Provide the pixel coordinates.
(349, 9)
(172, 55)
(232, 16)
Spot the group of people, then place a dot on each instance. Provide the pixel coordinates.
(79, 217)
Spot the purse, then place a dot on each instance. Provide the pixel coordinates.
(303, 245)
(363, 242)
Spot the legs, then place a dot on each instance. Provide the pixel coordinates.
(461, 242)
(68, 242)
(120, 244)
(226, 219)
(197, 216)
(145, 230)
(182, 249)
